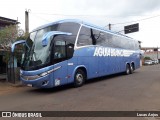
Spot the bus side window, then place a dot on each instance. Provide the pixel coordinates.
(99, 37)
(70, 50)
(60, 50)
(84, 37)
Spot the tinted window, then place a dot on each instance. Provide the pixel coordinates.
(137, 45)
(69, 39)
(59, 50)
(69, 27)
(99, 37)
(111, 40)
(62, 48)
(89, 36)
(84, 37)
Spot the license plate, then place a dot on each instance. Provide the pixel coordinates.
(29, 85)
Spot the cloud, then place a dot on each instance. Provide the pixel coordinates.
(137, 7)
(117, 7)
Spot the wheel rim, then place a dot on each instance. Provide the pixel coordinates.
(79, 78)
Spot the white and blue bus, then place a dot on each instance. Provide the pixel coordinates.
(72, 51)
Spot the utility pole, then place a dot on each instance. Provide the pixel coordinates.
(27, 21)
(109, 25)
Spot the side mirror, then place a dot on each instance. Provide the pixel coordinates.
(46, 38)
(70, 50)
(49, 35)
(18, 42)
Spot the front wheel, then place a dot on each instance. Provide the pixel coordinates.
(79, 78)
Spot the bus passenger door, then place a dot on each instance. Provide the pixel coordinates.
(60, 63)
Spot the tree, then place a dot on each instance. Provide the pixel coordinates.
(8, 36)
(147, 58)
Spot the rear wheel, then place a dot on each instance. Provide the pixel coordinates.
(131, 69)
(127, 72)
(79, 78)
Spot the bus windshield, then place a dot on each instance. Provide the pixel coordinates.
(36, 56)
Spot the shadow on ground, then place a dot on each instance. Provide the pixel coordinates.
(71, 86)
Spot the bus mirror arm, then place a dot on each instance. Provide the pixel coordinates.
(49, 35)
(16, 43)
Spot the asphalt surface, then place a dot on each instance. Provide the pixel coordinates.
(139, 91)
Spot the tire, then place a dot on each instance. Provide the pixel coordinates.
(131, 69)
(79, 78)
(127, 72)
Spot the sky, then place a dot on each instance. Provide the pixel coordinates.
(118, 13)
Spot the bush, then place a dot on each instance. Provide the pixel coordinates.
(147, 58)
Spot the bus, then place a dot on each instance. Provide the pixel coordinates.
(73, 51)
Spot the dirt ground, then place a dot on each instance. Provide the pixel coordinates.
(6, 87)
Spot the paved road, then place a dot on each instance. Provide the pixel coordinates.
(135, 92)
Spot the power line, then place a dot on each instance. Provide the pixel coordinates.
(137, 20)
(70, 15)
(109, 25)
(41, 18)
(133, 21)
(99, 16)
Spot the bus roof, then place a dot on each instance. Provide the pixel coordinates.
(80, 22)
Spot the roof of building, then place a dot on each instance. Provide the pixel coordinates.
(8, 21)
(149, 48)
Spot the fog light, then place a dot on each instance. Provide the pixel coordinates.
(45, 82)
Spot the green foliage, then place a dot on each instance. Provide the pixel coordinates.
(147, 58)
(7, 56)
(8, 34)
(24, 37)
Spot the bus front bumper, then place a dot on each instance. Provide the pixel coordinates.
(39, 82)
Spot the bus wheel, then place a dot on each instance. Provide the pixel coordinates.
(131, 69)
(127, 72)
(79, 78)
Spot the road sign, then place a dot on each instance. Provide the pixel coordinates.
(131, 28)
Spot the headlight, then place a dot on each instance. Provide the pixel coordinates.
(30, 77)
(48, 72)
(43, 74)
(40, 75)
